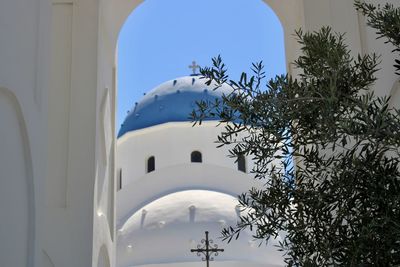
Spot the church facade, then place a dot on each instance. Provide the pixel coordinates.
(58, 179)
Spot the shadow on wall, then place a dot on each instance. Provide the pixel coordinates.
(395, 95)
(103, 259)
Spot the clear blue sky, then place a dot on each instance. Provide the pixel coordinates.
(162, 37)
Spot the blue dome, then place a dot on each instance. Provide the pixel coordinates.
(172, 101)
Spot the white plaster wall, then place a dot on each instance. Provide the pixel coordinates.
(361, 39)
(17, 207)
(180, 177)
(104, 195)
(326, 13)
(103, 259)
(26, 62)
(73, 73)
(386, 77)
(171, 144)
(46, 261)
(19, 50)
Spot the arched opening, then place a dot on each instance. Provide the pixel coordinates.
(157, 43)
(113, 23)
(241, 163)
(160, 39)
(196, 156)
(151, 164)
(119, 181)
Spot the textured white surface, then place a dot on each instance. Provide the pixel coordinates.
(175, 209)
(164, 231)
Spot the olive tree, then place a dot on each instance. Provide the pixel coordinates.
(335, 193)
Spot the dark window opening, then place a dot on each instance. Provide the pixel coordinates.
(196, 157)
(119, 182)
(151, 164)
(241, 163)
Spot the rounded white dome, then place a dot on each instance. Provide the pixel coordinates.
(166, 229)
(195, 206)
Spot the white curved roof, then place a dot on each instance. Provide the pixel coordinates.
(166, 229)
(173, 209)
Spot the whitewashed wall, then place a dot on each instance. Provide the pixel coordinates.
(171, 144)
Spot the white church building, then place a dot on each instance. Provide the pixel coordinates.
(67, 199)
(174, 184)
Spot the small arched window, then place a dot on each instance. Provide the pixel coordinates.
(151, 164)
(241, 163)
(119, 181)
(196, 157)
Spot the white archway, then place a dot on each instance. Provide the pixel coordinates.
(112, 15)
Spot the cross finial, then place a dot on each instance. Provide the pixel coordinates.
(207, 250)
(194, 67)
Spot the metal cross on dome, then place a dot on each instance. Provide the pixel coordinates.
(207, 250)
(194, 67)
